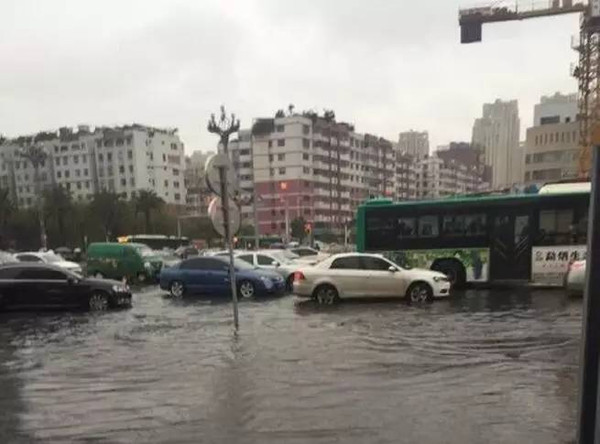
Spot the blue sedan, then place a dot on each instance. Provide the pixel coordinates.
(210, 275)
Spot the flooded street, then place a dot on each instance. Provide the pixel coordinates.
(482, 367)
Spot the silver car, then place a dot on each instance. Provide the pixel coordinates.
(575, 278)
(273, 260)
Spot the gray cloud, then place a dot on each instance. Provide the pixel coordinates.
(384, 65)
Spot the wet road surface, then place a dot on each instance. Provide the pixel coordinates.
(483, 367)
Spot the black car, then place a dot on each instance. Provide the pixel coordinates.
(34, 285)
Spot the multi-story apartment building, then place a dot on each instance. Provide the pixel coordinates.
(414, 143)
(119, 159)
(198, 195)
(405, 181)
(552, 144)
(456, 170)
(497, 133)
(305, 166)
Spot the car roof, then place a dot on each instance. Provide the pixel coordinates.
(338, 255)
(33, 253)
(32, 265)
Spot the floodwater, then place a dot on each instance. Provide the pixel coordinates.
(483, 367)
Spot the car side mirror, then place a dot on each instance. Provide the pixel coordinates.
(275, 263)
(71, 280)
(392, 269)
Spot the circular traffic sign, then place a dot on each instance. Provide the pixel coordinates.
(212, 168)
(215, 212)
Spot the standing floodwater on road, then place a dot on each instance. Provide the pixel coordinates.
(496, 367)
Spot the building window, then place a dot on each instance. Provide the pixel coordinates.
(281, 170)
(122, 169)
(175, 184)
(270, 144)
(164, 157)
(305, 143)
(58, 174)
(305, 156)
(65, 160)
(85, 172)
(280, 142)
(79, 185)
(306, 170)
(528, 158)
(56, 161)
(109, 157)
(131, 168)
(123, 182)
(281, 157)
(305, 129)
(132, 182)
(75, 159)
(129, 154)
(77, 173)
(67, 174)
(175, 172)
(100, 172)
(280, 128)
(83, 158)
(270, 157)
(101, 157)
(109, 171)
(177, 196)
(271, 171)
(167, 183)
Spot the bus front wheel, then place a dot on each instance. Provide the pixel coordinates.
(453, 269)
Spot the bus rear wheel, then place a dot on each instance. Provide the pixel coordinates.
(454, 271)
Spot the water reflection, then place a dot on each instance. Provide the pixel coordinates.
(481, 367)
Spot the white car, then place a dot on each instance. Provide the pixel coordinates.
(349, 275)
(49, 257)
(274, 260)
(575, 278)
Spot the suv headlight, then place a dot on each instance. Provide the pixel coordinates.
(265, 280)
(120, 288)
(440, 279)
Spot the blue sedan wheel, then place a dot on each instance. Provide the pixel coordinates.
(246, 289)
(177, 289)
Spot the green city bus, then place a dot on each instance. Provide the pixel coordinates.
(531, 237)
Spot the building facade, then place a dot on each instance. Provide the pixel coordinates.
(117, 159)
(414, 143)
(306, 167)
(552, 144)
(497, 134)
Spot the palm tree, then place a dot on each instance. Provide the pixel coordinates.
(106, 206)
(36, 155)
(145, 202)
(58, 204)
(7, 209)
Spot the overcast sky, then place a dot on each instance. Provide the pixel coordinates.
(384, 65)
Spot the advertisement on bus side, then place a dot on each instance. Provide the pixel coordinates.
(475, 260)
(550, 264)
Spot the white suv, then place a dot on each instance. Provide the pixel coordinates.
(350, 275)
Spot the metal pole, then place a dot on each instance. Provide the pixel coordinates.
(178, 226)
(254, 194)
(287, 221)
(587, 431)
(228, 242)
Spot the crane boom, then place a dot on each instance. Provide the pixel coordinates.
(587, 71)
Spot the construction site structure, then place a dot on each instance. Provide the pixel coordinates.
(587, 45)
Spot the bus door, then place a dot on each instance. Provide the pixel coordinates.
(510, 246)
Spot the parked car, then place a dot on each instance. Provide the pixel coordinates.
(39, 285)
(273, 260)
(168, 258)
(130, 261)
(48, 257)
(349, 275)
(575, 278)
(7, 258)
(210, 275)
(308, 255)
(186, 251)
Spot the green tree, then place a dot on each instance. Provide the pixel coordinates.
(297, 227)
(146, 202)
(7, 210)
(58, 204)
(106, 207)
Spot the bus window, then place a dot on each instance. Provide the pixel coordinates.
(581, 228)
(407, 227)
(428, 226)
(454, 225)
(475, 225)
(556, 227)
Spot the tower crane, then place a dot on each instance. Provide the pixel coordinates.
(587, 70)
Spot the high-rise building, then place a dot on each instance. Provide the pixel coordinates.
(414, 143)
(118, 159)
(552, 144)
(497, 134)
(309, 167)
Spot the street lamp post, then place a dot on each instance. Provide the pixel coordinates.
(224, 128)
